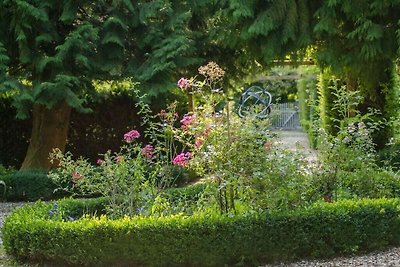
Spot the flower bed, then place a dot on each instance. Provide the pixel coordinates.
(323, 230)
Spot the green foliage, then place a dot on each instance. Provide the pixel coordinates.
(267, 29)
(12, 146)
(124, 178)
(357, 34)
(308, 107)
(61, 47)
(189, 193)
(324, 230)
(282, 91)
(6, 171)
(360, 44)
(327, 85)
(282, 181)
(29, 186)
(390, 156)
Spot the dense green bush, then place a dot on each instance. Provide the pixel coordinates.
(323, 230)
(390, 156)
(190, 193)
(29, 186)
(369, 183)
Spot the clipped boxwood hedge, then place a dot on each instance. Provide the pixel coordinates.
(323, 230)
(29, 185)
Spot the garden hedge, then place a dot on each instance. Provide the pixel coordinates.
(323, 230)
(29, 185)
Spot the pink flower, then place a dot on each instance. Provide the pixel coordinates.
(183, 83)
(76, 177)
(198, 143)
(187, 120)
(182, 159)
(119, 158)
(148, 151)
(130, 136)
(100, 161)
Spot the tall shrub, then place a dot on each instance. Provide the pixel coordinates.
(308, 101)
(327, 86)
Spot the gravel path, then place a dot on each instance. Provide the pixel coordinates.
(389, 257)
(296, 140)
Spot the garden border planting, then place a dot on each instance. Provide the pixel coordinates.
(323, 230)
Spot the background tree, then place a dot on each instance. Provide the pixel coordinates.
(359, 42)
(51, 51)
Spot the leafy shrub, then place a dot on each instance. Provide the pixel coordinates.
(123, 178)
(370, 183)
(282, 182)
(323, 230)
(390, 156)
(30, 186)
(190, 193)
(4, 171)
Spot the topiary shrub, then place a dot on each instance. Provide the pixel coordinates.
(29, 186)
(37, 232)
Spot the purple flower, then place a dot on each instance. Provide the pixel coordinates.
(139, 210)
(183, 83)
(182, 159)
(130, 136)
(100, 161)
(148, 151)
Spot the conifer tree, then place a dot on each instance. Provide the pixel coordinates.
(359, 41)
(51, 51)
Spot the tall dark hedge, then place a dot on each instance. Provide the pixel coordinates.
(89, 134)
(14, 134)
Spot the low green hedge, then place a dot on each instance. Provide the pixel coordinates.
(29, 186)
(323, 230)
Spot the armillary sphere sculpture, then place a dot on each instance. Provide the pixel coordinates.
(255, 101)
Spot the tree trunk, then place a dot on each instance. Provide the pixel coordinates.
(49, 131)
(190, 101)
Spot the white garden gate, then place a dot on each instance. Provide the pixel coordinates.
(285, 115)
